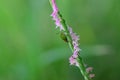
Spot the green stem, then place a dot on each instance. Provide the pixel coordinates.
(83, 69)
(63, 22)
(81, 64)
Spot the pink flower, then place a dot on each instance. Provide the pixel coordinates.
(89, 69)
(91, 75)
(75, 39)
(73, 61)
(76, 50)
(55, 15)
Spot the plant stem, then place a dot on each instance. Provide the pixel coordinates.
(79, 59)
(81, 64)
(83, 69)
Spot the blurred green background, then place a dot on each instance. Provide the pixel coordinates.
(31, 49)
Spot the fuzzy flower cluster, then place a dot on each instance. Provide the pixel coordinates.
(55, 15)
(75, 39)
(73, 58)
(89, 70)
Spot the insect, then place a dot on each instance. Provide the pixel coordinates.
(63, 36)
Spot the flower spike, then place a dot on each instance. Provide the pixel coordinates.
(72, 39)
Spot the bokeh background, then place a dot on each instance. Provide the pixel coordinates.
(31, 49)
